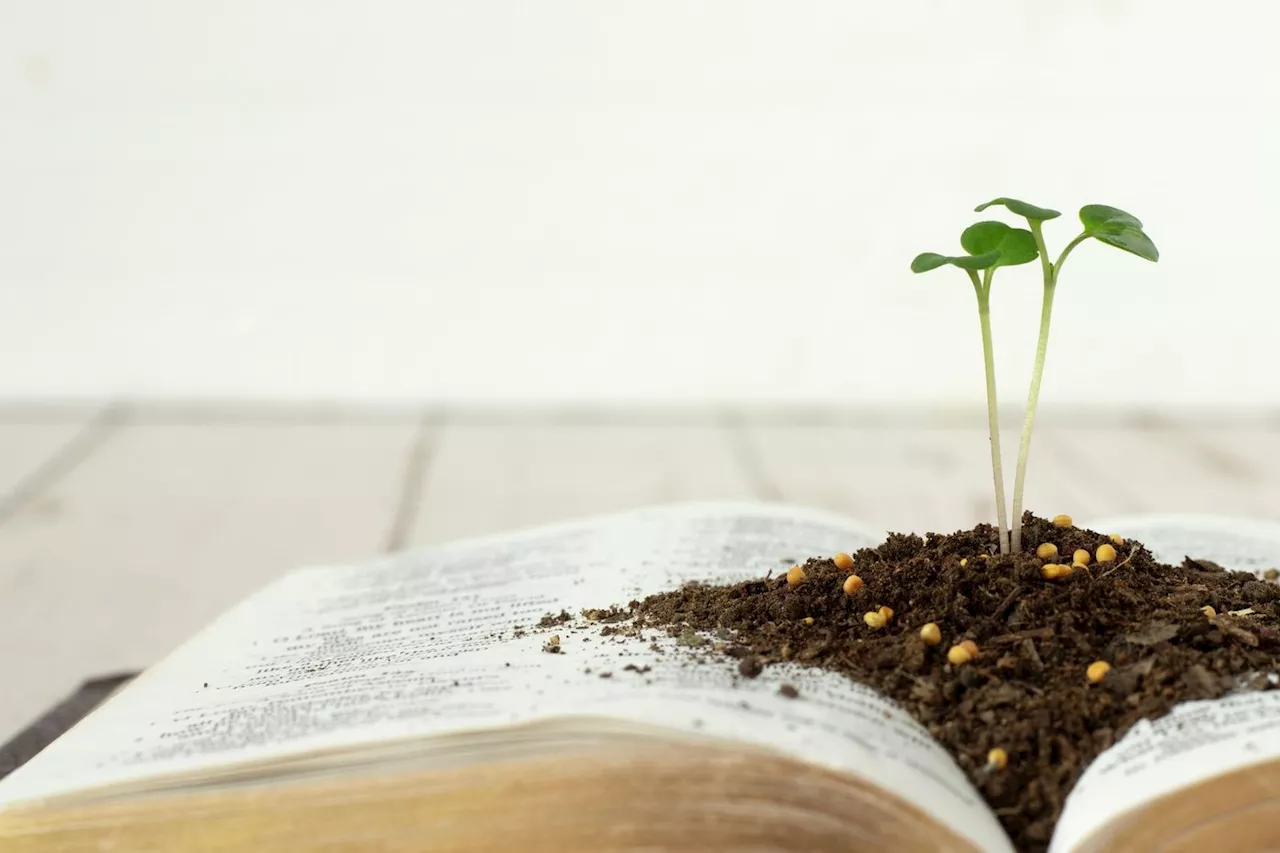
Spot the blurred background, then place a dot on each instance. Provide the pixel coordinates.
(289, 282)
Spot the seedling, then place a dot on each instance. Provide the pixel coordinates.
(990, 245)
(993, 244)
(1105, 224)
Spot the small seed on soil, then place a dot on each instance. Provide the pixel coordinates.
(964, 561)
(1081, 556)
(1116, 539)
(1106, 554)
(1047, 551)
(931, 634)
(843, 561)
(887, 613)
(958, 655)
(1208, 611)
(808, 620)
(796, 576)
(874, 620)
(1097, 671)
(1062, 521)
(852, 584)
(970, 646)
(998, 759)
(1052, 571)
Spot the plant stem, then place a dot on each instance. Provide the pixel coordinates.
(983, 291)
(1051, 272)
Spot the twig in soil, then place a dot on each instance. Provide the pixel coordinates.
(1001, 611)
(1121, 564)
(1032, 634)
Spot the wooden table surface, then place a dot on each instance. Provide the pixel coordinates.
(124, 530)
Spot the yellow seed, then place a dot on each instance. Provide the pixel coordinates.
(984, 556)
(1051, 571)
(1062, 521)
(808, 620)
(958, 655)
(1065, 571)
(1081, 556)
(964, 561)
(1082, 566)
(1208, 611)
(843, 561)
(970, 646)
(998, 758)
(852, 584)
(1106, 554)
(931, 634)
(796, 576)
(874, 620)
(887, 613)
(1097, 671)
(1047, 551)
(1116, 539)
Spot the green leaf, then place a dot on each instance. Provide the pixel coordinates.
(1022, 208)
(929, 261)
(990, 244)
(1115, 227)
(982, 237)
(1014, 246)
(1133, 240)
(1096, 216)
(1017, 247)
(977, 262)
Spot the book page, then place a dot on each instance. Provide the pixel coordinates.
(1197, 740)
(425, 643)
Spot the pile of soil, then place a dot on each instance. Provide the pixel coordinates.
(1027, 691)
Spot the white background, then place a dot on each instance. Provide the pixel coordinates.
(667, 200)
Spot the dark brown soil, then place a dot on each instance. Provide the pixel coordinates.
(1027, 691)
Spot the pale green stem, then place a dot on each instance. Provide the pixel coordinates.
(1037, 371)
(983, 290)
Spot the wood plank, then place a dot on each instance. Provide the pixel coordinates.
(28, 445)
(1164, 468)
(167, 525)
(494, 477)
(912, 478)
(1249, 457)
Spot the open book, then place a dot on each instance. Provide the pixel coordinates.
(393, 706)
